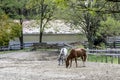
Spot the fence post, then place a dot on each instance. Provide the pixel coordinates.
(102, 58)
(87, 57)
(118, 59)
(96, 57)
(106, 58)
(112, 59)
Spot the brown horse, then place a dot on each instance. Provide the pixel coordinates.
(74, 54)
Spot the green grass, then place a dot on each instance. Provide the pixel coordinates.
(95, 58)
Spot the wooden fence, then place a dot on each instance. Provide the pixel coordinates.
(98, 53)
(113, 42)
(105, 53)
(35, 46)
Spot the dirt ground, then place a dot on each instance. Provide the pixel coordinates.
(43, 65)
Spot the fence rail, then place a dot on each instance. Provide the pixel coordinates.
(105, 53)
(117, 51)
(34, 45)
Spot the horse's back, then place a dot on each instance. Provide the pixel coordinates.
(78, 52)
(63, 51)
(82, 53)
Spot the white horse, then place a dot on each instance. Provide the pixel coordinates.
(62, 55)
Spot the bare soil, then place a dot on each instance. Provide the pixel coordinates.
(43, 65)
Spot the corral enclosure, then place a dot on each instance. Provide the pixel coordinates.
(43, 65)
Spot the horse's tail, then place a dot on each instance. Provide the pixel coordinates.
(85, 55)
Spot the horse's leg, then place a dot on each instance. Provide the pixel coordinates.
(70, 62)
(62, 61)
(59, 62)
(83, 61)
(76, 61)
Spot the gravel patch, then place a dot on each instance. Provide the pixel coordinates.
(43, 65)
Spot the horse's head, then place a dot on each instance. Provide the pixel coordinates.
(67, 63)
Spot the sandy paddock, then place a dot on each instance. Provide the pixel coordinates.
(43, 65)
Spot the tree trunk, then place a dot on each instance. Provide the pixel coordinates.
(41, 34)
(21, 36)
(90, 41)
(41, 21)
(41, 31)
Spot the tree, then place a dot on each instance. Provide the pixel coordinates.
(87, 15)
(83, 18)
(8, 29)
(45, 12)
(16, 10)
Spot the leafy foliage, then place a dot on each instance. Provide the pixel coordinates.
(110, 27)
(12, 8)
(8, 29)
(45, 12)
(86, 16)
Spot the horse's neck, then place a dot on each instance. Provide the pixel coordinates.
(62, 50)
